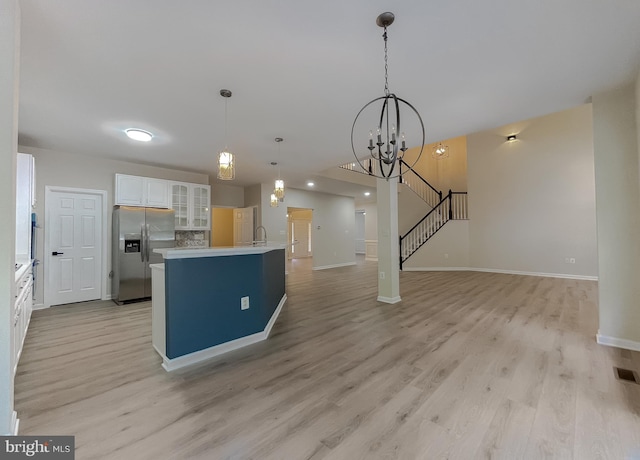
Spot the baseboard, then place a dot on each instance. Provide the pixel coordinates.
(389, 299)
(326, 267)
(618, 343)
(39, 306)
(436, 269)
(196, 357)
(497, 270)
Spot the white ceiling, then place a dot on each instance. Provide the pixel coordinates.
(302, 71)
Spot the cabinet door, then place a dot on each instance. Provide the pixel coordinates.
(129, 190)
(180, 204)
(157, 192)
(201, 211)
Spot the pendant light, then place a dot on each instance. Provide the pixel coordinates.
(385, 149)
(278, 190)
(440, 151)
(226, 165)
(274, 200)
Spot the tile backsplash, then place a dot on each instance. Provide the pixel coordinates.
(192, 239)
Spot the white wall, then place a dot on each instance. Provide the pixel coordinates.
(370, 221)
(333, 227)
(81, 171)
(532, 201)
(411, 209)
(226, 195)
(9, 78)
(618, 213)
(447, 249)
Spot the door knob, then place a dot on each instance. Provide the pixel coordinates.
(55, 253)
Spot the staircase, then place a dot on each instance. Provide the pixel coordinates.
(453, 206)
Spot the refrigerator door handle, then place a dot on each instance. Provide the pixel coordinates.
(147, 243)
(143, 243)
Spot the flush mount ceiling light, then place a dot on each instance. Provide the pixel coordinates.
(385, 150)
(511, 138)
(440, 151)
(138, 134)
(278, 190)
(226, 164)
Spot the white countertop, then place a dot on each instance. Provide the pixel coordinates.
(191, 253)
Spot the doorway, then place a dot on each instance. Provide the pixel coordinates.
(360, 243)
(74, 245)
(299, 221)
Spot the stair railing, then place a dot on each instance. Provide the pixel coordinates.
(419, 185)
(451, 207)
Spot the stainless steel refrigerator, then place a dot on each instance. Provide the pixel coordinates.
(136, 233)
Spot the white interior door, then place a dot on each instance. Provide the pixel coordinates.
(242, 226)
(74, 236)
(301, 230)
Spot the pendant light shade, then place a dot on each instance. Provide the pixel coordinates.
(226, 166)
(274, 200)
(278, 191)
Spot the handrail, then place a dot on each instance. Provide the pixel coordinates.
(402, 162)
(435, 208)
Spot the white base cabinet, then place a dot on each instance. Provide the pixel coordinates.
(23, 307)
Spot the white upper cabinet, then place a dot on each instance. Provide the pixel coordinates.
(141, 191)
(191, 205)
(25, 199)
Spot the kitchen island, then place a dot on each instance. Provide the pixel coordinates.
(208, 301)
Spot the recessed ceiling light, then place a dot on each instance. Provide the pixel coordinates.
(367, 193)
(310, 184)
(138, 134)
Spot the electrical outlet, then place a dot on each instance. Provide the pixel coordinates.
(244, 303)
(446, 256)
(381, 275)
(572, 260)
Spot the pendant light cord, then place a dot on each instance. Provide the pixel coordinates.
(386, 64)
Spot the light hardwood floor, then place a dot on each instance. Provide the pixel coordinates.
(468, 365)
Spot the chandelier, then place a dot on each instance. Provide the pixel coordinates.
(385, 149)
(226, 166)
(440, 151)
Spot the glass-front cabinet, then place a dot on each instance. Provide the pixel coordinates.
(201, 209)
(190, 203)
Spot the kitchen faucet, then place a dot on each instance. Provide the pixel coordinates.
(264, 241)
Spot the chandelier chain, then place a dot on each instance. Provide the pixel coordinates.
(386, 64)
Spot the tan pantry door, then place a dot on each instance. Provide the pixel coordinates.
(243, 226)
(74, 239)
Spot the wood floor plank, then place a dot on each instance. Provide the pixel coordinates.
(467, 365)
